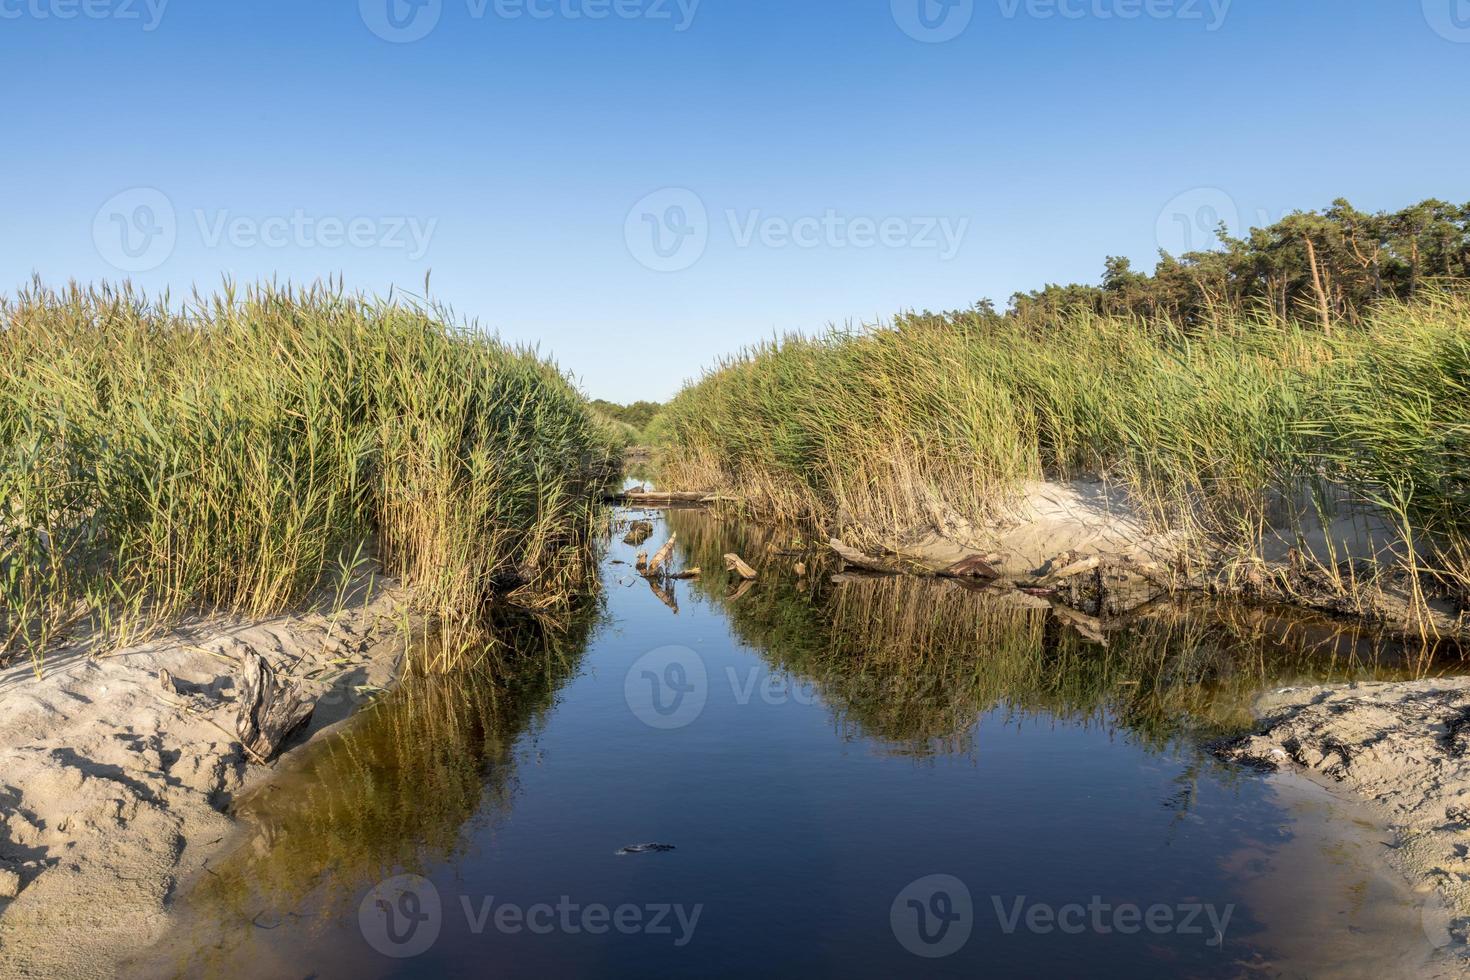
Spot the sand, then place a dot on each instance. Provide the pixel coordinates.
(113, 790)
(1400, 747)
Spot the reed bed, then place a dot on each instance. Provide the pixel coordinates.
(1215, 433)
(226, 453)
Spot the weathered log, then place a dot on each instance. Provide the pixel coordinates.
(271, 711)
(687, 573)
(1065, 567)
(639, 532)
(857, 558)
(661, 555)
(735, 564)
(663, 497)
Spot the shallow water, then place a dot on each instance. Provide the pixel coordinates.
(865, 777)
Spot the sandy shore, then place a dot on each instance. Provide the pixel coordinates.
(1091, 549)
(112, 789)
(1401, 748)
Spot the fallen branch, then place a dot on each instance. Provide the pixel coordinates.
(734, 563)
(662, 555)
(855, 557)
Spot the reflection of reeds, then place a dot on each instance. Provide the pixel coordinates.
(913, 662)
(392, 793)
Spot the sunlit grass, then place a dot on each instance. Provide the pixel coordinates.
(1211, 432)
(155, 459)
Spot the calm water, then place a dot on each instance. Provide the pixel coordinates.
(866, 777)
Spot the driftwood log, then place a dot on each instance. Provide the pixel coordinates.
(271, 711)
(856, 558)
(663, 497)
(661, 556)
(735, 564)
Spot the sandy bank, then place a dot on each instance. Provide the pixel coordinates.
(1089, 546)
(1400, 747)
(112, 789)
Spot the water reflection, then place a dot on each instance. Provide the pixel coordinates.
(913, 662)
(784, 833)
(403, 789)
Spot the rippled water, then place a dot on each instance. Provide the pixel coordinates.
(859, 776)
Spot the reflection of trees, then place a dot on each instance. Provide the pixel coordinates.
(912, 662)
(393, 792)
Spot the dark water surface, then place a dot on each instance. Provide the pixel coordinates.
(866, 777)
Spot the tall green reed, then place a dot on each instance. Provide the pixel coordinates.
(224, 453)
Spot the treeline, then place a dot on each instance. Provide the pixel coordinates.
(638, 414)
(1322, 267)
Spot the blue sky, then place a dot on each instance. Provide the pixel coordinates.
(639, 186)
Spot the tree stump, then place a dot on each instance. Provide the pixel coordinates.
(638, 532)
(270, 711)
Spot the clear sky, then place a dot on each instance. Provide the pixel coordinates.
(638, 186)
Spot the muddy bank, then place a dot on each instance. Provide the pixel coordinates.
(114, 787)
(1400, 747)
